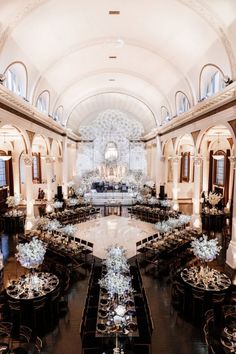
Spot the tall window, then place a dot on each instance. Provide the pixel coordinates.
(58, 114)
(16, 79)
(185, 167)
(212, 81)
(42, 103)
(36, 168)
(182, 103)
(219, 172)
(3, 179)
(165, 115)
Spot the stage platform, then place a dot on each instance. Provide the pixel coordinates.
(111, 197)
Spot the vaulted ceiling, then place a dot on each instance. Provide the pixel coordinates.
(137, 59)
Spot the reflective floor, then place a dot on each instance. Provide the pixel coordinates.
(171, 334)
(111, 230)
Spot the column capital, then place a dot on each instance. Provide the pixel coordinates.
(197, 160)
(49, 159)
(176, 159)
(232, 160)
(28, 160)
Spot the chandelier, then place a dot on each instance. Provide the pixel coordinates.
(111, 152)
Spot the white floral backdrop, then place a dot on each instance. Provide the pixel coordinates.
(111, 126)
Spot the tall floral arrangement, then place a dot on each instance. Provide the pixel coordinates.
(214, 198)
(31, 254)
(116, 283)
(204, 249)
(116, 260)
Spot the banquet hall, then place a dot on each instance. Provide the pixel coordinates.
(117, 177)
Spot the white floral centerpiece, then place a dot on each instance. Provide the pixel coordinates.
(184, 219)
(204, 249)
(165, 203)
(214, 198)
(162, 227)
(174, 223)
(13, 201)
(31, 254)
(69, 230)
(72, 201)
(42, 223)
(116, 259)
(54, 225)
(57, 205)
(116, 283)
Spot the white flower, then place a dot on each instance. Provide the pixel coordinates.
(184, 219)
(13, 201)
(70, 184)
(165, 203)
(42, 224)
(116, 283)
(153, 200)
(206, 250)
(214, 198)
(72, 201)
(69, 230)
(162, 227)
(31, 254)
(57, 205)
(54, 225)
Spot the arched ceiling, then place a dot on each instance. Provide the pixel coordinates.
(156, 45)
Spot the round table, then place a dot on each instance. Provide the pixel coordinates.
(213, 281)
(33, 285)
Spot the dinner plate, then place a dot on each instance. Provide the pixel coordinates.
(101, 327)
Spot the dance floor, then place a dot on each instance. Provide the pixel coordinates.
(114, 230)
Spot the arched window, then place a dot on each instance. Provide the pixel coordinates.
(42, 103)
(165, 115)
(16, 79)
(219, 168)
(3, 176)
(182, 103)
(58, 114)
(36, 168)
(211, 81)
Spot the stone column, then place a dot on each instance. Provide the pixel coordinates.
(205, 176)
(16, 173)
(65, 167)
(232, 160)
(197, 190)
(175, 187)
(231, 251)
(49, 162)
(29, 192)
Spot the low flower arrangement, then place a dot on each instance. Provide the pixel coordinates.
(42, 224)
(69, 230)
(162, 227)
(204, 249)
(31, 254)
(184, 219)
(54, 225)
(72, 201)
(165, 203)
(57, 205)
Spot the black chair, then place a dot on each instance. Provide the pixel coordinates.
(39, 316)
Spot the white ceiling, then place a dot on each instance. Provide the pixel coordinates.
(67, 44)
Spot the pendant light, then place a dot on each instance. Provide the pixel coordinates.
(218, 156)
